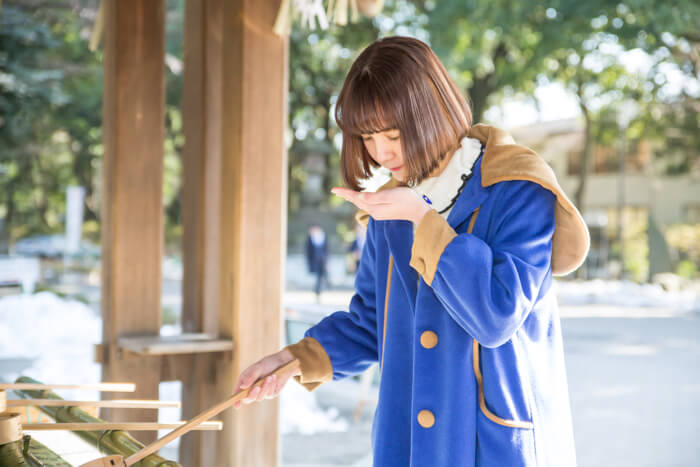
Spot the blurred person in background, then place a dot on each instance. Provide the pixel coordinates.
(317, 256)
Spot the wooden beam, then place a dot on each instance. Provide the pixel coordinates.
(126, 404)
(194, 155)
(189, 343)
(132, 206)
(127, 426)
(253, 213)
(234, 245)
(200, 211)
(103, 387)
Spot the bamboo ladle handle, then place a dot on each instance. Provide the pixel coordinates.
(176, 433)
(102, 387)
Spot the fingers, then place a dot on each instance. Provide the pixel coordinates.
(348, 195)
(270, 387)
(360, 196)
(365, 199)
(251, 397)
(341, 191)
(381, 197)
(248, 377)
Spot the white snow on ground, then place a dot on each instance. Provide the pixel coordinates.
(59, 335)
(301, 414)
(625, 294)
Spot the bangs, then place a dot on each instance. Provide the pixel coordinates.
(366, 108)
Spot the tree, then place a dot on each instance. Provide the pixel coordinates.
(51, 114)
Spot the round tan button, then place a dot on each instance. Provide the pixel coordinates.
(428, 339)
(426, 419)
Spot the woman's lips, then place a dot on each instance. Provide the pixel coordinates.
(395, 168)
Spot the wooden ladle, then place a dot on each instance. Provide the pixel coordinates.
(120, 461)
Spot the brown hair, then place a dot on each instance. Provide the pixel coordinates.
(399, 83)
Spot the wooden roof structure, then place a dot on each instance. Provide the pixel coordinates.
(233, 208)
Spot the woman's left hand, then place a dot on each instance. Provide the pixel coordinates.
(393, 203)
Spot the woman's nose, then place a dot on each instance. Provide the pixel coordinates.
(384, 153)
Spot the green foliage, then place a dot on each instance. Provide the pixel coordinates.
(687, 269)
(51, 90)
(51, 118)
(684, 239)
(499, 48)
(169, 316)
(499, 45)
(636, 251)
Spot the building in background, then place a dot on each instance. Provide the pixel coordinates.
(651, 200)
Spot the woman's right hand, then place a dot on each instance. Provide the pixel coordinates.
(273, 384)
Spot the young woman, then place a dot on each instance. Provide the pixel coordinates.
(453, 296)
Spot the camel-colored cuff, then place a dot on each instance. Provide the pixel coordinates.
(432, 236)
(314, 363)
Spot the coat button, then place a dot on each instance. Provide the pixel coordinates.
(428, 339)
(426, 419)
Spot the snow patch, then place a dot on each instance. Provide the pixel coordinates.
(625, 294)
(300, 413)
(59, 335)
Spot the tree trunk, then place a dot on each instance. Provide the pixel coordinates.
(482, 87)
(328, 174)
(586, 155)
(478, 95)
(586, 159)
(82, 168)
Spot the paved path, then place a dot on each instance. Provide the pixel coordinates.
(633, 380)
(634, 385)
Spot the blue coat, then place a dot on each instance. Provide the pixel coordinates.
(463, 321)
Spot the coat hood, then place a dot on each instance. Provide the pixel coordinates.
(504, 160)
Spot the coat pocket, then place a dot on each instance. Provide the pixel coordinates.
(483, 406)
(499, 445)
(500, 441)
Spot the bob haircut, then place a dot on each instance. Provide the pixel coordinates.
(399, 83)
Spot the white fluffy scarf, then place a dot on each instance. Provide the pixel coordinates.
(441, 191)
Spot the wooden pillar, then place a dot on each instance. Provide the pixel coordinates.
(253, 214)
(132, 208)
(201, 198)
(234, 213)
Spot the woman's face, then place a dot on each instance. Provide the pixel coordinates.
(385, 148)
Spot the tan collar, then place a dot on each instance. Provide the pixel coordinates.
(505, 160)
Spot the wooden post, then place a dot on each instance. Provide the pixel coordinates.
(200, 210)
(234, 214)
(132, 207)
